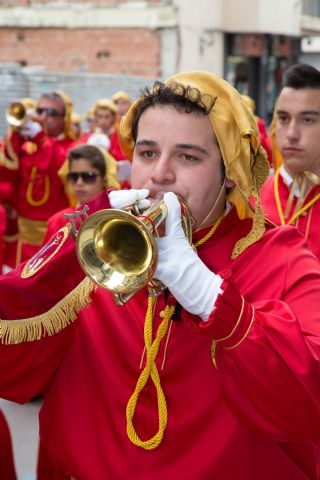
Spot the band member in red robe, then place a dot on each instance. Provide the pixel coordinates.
(292, 195)
(217, 375)
(105, 134)
(34, 150)
(55, 110)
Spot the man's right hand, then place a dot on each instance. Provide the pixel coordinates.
(121, 199)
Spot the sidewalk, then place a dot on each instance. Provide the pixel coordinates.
(23, 424)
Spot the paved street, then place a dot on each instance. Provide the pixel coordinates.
(23, 423)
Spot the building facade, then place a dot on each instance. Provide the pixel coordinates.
(249, 43)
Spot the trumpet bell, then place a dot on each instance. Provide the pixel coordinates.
(116, 251)
(16, 114)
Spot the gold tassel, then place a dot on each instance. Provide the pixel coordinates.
(259, 175)
(48, 323)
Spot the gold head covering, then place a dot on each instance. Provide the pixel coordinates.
(111, 169)
(121, 95)
(250, 102)
(28, 102)
(90, 114)
(105, 103)
(75, 118)
(110, 178)
(277, 159)
(68, 106)
(236, 130)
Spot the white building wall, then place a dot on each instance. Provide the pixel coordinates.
(201, 40)
(203, 23)
(262, 16)
(280, 17)
(169, 52)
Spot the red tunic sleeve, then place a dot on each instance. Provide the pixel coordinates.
(56, 221)
(27, 368)
(269, 346)
(264, 138)
(115, 149)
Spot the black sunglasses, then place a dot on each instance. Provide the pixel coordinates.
(86, 177)
(51, 112)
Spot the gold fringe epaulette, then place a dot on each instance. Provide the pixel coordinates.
(48, 323)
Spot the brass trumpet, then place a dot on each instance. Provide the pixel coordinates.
(16, 114)
(117, 248)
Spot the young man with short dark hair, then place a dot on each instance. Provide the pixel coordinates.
(292, 195)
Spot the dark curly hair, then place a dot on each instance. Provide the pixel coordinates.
(184, 98)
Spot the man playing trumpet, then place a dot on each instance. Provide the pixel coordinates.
(216, 377)
(34, 150)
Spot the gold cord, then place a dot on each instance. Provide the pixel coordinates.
(212, 230)
(308, 223)
(297, 214)
(150, 371)
(277, 197)
(29, 197)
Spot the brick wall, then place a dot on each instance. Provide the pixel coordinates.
(119, 51)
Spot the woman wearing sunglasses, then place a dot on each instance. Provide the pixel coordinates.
(87, 176)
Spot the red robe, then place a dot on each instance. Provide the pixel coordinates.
(56, 221)
(307, 223)
(8, 197)
(65, 144)
(115, 149)
(2, 230)
(257, 416)
(264, 138)
(39, 191)
(7, 468)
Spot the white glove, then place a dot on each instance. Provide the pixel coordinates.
(99, 140)
(31, 112)
(124, 198)
(192, 284)
(30, 129)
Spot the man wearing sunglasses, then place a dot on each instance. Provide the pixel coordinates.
(35, 151)
(52, 117)
(54, 111)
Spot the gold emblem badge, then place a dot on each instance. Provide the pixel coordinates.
(45, 254)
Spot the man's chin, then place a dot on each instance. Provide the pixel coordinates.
(294, 166)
